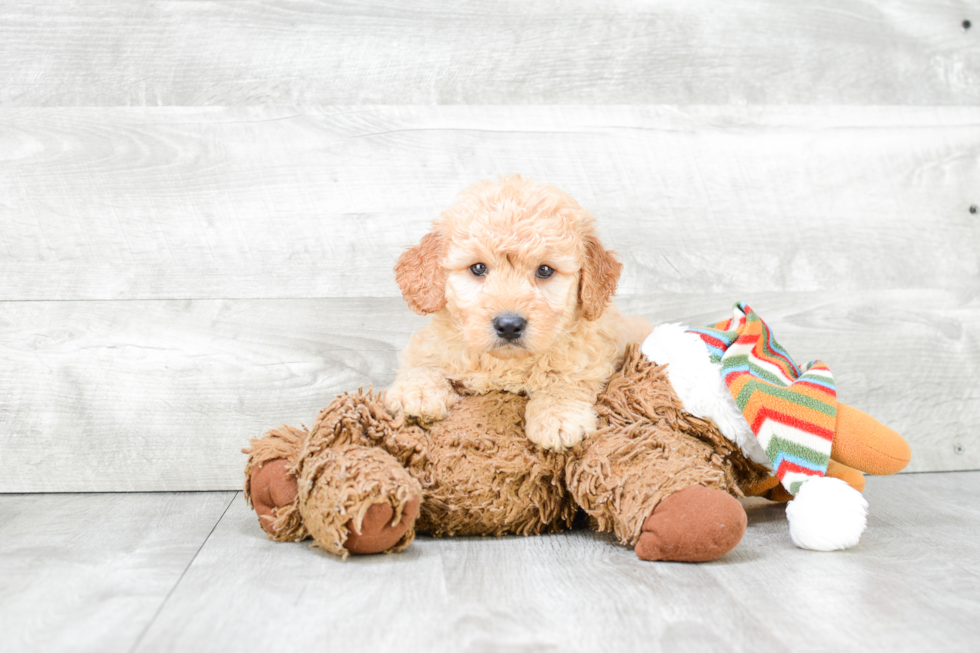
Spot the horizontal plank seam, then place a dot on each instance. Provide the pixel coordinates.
(182, 574)
(271, 298)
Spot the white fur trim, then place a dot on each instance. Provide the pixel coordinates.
(827, 514)
(698, 383)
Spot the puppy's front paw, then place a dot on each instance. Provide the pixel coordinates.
(424, 405)
(423, 394)
(558, 425)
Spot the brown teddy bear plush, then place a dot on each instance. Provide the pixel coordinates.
(662, 480)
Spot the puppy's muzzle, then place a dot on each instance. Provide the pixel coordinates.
(509, 326)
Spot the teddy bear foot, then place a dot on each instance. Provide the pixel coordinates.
(377, 533)
(696, 524)
(357, 499)
(272, 486)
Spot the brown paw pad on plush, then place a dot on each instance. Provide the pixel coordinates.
(377, 533)
(273, 486)
(696, 524)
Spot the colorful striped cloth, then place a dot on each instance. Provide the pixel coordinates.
(792, 411)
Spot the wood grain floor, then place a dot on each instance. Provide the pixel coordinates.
(193, 571)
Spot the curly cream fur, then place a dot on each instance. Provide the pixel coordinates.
(574, 336)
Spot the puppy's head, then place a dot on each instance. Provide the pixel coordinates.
(516, 264)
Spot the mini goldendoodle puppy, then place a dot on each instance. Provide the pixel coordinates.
(520, 288)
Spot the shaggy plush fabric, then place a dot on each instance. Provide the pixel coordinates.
(340, 484)
(479, 452)
(284, 523)
(646, 449)
(283, 443)
(478, 474)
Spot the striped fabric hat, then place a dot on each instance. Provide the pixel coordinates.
(792, 411)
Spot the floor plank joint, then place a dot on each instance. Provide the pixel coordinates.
(190, 562)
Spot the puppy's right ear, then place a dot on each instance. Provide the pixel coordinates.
(421, 278)
(600, 274)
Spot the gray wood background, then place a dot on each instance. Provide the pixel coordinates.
(201, 202)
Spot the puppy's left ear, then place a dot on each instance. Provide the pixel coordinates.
(600, 274)
(421, 278)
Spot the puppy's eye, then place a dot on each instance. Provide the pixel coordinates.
(478, 269)
(544, 272)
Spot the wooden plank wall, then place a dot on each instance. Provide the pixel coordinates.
(200, 202)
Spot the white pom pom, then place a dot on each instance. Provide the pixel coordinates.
(827, 514)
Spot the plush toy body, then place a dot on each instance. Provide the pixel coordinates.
(362, 475)
(661, 478)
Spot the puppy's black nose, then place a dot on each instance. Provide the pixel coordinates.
(509, 326)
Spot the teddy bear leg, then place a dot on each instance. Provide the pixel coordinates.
(663, 493)
(270, 482)
(273, 487)
(356, 499)
(696, 524)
